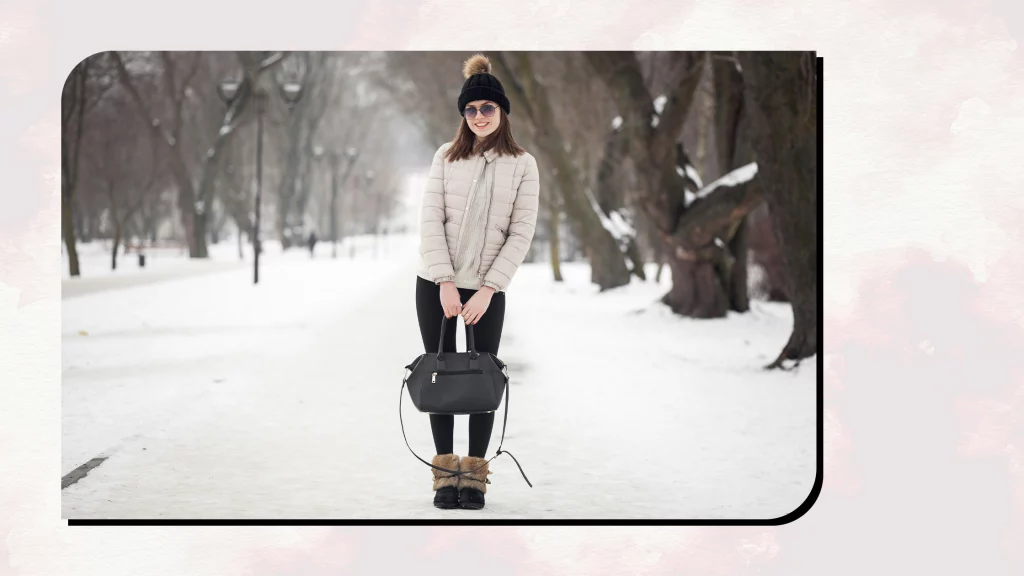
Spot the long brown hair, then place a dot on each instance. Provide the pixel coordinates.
(464, 144)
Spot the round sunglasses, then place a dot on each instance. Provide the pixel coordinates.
(487, 110)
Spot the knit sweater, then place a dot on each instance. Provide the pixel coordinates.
(468, 259)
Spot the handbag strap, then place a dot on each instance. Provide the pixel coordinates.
(461, 472)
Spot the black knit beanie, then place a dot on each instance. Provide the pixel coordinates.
(481, 85)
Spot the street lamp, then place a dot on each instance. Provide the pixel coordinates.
(229, 90)
(291, 91)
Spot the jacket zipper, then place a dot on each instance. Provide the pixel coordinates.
(483, 242)
(469, 200)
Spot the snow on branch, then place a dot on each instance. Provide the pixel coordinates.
(619, 221)
(271, 60)
(659, 107)
(733, 178)
(659, 103)
(616, 225)
(692, 173)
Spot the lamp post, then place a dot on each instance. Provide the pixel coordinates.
(291, 92)
(229, 90)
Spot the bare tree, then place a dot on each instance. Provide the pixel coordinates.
(690, 224)
(164, 113)
(781, 97)
(85, 87)
(121, 167)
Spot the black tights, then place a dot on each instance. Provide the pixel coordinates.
(486, 334)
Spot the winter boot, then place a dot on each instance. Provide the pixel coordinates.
(446, 486)
(472, 486)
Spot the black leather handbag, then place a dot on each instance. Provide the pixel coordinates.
(468, 382)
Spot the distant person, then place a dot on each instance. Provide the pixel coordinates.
(311, 242)
(478, 215)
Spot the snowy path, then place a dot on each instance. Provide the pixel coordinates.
(71, 288)
(232, 402)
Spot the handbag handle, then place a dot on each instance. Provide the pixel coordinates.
(470, 343)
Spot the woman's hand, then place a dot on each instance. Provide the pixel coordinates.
(477, 305)
(451, 302)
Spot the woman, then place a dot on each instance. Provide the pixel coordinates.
(477, 222)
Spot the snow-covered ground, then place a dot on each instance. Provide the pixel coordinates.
(214, 398)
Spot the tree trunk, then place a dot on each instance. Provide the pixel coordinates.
(555, 245)
(732, 152)
(197, 237)
(334, 207)
(77, 221)
(705, 107)
(117, 243)
(697, 289)
(68, 231)
(782, 101)
(607, 263)
(611, 197)
(70, 158)
(739, 296)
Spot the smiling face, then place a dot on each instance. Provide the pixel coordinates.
(480, 124)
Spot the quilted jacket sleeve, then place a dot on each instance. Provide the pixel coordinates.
(433, 244)
(520, 231)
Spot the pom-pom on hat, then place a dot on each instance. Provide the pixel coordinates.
(480, 84)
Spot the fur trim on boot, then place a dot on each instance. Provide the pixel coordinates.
(443, 479)
(477, 480)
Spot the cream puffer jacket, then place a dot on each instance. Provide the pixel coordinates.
(511, 220)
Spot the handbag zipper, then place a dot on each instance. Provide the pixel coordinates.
(433, 378)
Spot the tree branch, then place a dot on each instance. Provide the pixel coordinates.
(172, 93)
(271, 61)
(512, 80)
(191, 74)
(621, 74)
(677, 107)
(709, 217)
(145, 113)
(81, 95)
